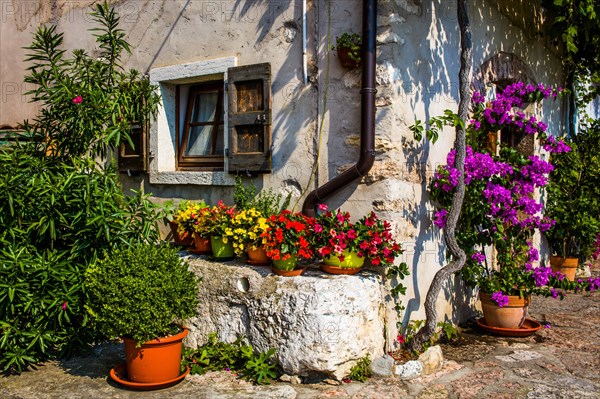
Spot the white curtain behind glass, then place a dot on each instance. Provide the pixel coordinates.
(199, 138)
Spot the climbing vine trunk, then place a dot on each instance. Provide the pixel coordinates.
(458, 256)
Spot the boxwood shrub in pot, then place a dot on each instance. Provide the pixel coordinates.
(141, 293)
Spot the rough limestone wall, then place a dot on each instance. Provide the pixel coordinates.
(417, 78)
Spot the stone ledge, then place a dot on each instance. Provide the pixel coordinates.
(319, 324)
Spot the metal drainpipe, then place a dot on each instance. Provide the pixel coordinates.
(367, 112)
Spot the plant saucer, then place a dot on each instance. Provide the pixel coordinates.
(119, 375)
(528, 328)
(288, 273)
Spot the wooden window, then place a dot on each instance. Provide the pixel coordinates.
(133, 160)
(200, 142)
(249, 123)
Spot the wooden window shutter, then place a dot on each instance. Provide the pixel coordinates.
(133, 160)
(249, 130)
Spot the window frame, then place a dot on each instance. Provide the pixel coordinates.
(199, 162)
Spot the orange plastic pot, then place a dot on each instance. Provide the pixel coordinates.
(511, 316)
(155, 361)
(566, 266)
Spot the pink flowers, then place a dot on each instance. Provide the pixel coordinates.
(500, 299)
(77, 100)
(64, 305)
(440, 218)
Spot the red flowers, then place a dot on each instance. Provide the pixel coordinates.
(77, 100)
(287, 236)
(369, 237)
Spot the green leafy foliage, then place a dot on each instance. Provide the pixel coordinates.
(267, 202)
(351, 41)
(574, 195)
(88, 103)
(237, 357)
(59, 209)
(575, 25)
(57, 218)
(436, 125)
(445, 332)
(361, 371)
(140, 291)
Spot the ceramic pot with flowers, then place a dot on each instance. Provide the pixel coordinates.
(509, 311)
(344, 246)
(286, 239)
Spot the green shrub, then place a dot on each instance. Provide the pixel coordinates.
(574, 195)
(140, 292)
(59, 209)
(57, 218)
(41, 305)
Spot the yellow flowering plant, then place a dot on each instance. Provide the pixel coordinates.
(247, 226)
(186, 215)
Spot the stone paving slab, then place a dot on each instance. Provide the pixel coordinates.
(560, 362)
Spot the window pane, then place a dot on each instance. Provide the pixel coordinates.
(199, 141)
(205, 105)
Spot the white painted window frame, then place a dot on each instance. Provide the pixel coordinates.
(163, 147)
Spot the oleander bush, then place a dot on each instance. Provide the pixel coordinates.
(61, 210)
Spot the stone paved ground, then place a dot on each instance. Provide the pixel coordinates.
(561, 362)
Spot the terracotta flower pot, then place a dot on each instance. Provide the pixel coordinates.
(203, 244)
(183, 238)
(257, 256)
(220, 249)
(155, 361)
(288, 273)
(345, 60)
(340, 270)
(512, 315)
(566, 266)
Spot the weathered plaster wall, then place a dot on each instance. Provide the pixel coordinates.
(417, 76)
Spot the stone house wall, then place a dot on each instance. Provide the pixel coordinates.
(417, 77)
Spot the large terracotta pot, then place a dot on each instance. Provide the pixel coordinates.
(155, 361)
(183, 238)
(566, 266)
(510, 316)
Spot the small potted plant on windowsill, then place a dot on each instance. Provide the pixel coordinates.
(141, 294)
(348, 47)
(573, 200)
